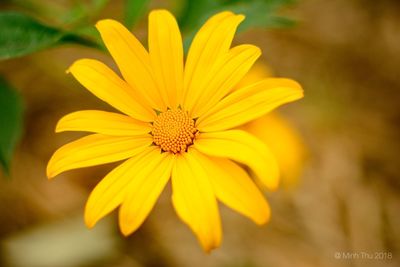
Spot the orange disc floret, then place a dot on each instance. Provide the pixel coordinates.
(173, 130)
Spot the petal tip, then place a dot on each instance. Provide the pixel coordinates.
(59, 126)
(160, 10)
(273, 186)
(208, 248)
(240, 17)
(296, 85)
(73, 66)
(89, 219)
(77, 65)
(53, 169)
(89, 223)
(103, 22)
(124, 226)
(50, 173)
(263, 218)
(126, 231)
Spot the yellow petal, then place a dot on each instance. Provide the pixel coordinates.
(166, 55)
(108, 123)
(194, 200)
(249, 103)
(224, 77)
(106, 85)
(277, 133)
(242, 147)
(132, 60)
(285, 143)
(113, 188)
(143, 191)
(233, 186)
(209, 46)
(94, 150)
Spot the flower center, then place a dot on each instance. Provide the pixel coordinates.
(173, 130)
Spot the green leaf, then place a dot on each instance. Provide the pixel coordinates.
(259, 14)
(74, 14)
(194, 10)
(91, 33)
(134, 9)
(22, 35)
(10, 121)
(82, 13)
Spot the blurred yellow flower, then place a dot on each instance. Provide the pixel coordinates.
(277, 133)
(284, 142)
(179, 123)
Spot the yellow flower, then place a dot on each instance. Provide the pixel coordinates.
(179, 123)
(284, 141)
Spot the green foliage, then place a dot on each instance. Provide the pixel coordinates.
(82, 13)
(76, 13)
(194, 10)
(99, 4)
(134, 9)
(22, 35)
(259, 14)
(90, 32)
(10, 122)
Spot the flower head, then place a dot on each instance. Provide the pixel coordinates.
(178, 122)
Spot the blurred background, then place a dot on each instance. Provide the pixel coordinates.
(342, 208)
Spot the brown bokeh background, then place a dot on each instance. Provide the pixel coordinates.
(345, 53)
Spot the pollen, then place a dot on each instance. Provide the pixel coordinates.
(173, 131)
